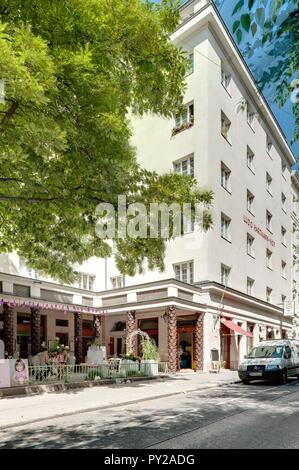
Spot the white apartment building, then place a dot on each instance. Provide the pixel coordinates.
(225, 289)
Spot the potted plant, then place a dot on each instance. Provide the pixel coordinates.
(129, 363)
(150, 357)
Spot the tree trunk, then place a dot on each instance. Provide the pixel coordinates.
(131, 326)
(78, 337)
(35, 331)
(9, 329)
(97, 326)
(199, 341)
(172, 338)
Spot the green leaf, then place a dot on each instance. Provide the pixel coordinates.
(236, 26)
(238, 7)
(250, 4)
(245, 21)
(253, 28)
(239, 36)
(260, 16)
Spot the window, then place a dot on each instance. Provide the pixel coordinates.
(225, 126)
(250, 283)
(269, 183)
(185, 166)
(250, 245)
(268, 294)
(283, 202)
(86, 281)
(269, 221)
(184, 120)
(283, 236)
(269, 259)
(250, 115)
(269, 145)
(225, 78)
(190, 68)
(60, 322)
(250, 158)
(250, 202)
(184, 272)
(225, 177)
(284, 269)
(283, 298)
(25, 270)
(117, 282)
(225, 273)
(283, 170)
(225, 226)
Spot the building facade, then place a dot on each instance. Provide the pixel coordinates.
(223, 291)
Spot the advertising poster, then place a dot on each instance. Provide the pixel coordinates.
(19, 374)
(4, 373)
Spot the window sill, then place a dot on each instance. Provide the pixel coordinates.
(226, 90)
(251, 255)
(269, 192)
(283, 210)
(225, 138)
(251, 169)
(269, 154)
(284, 244)
(227, 190)
(269, 230)
(226, 239)
(251, 127)
(284, 277)
(268, 267)
(178, 130)
(252, 213)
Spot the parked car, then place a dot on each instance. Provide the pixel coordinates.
(271, 360)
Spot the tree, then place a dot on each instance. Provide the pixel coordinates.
(73, 70)
(271, 26)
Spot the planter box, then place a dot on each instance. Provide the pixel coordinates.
(127, 366)
(149, 368)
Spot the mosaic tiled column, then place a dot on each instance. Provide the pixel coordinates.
(35, 330)
(131, 326)
(172, 338)
(9, 328)
(97, 326)
(199, 341)
(78, 337)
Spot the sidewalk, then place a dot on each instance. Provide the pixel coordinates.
(24, 410)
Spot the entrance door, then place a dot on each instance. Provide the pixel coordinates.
(185, 342)
(225, 335)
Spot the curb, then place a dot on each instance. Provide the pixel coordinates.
(39, 389)
(118, 405)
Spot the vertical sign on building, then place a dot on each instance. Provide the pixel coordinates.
(289, 308)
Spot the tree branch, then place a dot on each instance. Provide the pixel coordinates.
(8, 115)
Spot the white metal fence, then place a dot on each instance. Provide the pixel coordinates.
(111, 369)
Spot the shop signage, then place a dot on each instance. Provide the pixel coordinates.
(258, 230)
(13, 372)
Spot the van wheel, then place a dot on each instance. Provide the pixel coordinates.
(284, 377)
(246, 382)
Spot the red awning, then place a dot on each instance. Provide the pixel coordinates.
(233, 326)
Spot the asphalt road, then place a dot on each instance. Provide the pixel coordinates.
(229, 417)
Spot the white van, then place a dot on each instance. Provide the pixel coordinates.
(271, 360)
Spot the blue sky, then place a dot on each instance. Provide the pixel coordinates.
(256, 63)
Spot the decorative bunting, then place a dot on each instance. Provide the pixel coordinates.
(47, 306)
